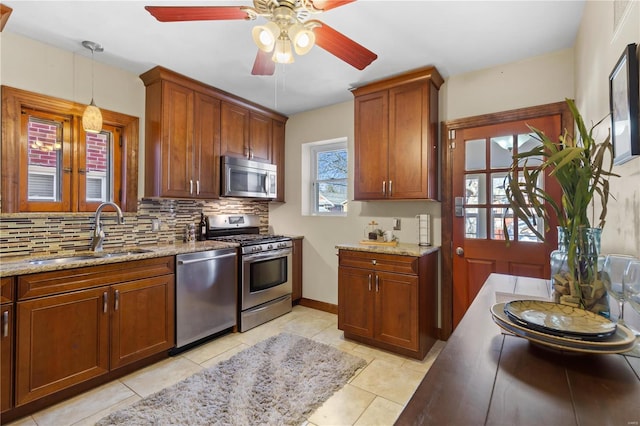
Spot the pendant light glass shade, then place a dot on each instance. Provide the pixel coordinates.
(265, 36)
(302, 38)
(283, 53)
(92, 119)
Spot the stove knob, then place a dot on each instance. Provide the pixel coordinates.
(270, 247)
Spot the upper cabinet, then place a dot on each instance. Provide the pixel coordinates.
(396, 129)
(189, 126)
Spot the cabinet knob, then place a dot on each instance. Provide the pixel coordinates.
(374, 262)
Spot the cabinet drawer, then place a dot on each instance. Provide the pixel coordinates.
(48, 283)
(379, 261)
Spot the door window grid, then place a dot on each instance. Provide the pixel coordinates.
(486, 220)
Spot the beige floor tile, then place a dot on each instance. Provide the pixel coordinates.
(93, 419)
(224, 356)
(389, 357)
(25, 421)
(343, 407)
(424, 365)
(307, 327)
(84, 405)
(388, 380)
(160, 375)
(334, 337)
(381, 412)
(213, 348)
(258, 334)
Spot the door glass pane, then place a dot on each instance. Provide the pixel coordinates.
(497, 225)
(527, 142)
(98, 166)
(475, 222)
(501, 152)
(525, 234)
(475, 155)
(44, 159)
(475, 189)
(498, 195)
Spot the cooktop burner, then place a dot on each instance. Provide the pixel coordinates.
(249, 239)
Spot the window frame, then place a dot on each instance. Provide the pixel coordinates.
(316, 149)
(125, 190)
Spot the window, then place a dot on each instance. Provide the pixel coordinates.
(329, 173)
(52, 165)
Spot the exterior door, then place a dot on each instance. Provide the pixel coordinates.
(482, 157)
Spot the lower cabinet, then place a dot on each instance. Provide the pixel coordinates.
(67, 334)
(297, 271)
(6, 358)
(388, 301)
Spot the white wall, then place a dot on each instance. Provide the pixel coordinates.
(597, 49)
(535, 81)
(37, 67)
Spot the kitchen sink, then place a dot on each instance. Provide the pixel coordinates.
(97, 255)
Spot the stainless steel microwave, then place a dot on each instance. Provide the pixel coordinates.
(248, 178)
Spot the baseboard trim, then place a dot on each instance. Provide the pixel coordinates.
(321, 306)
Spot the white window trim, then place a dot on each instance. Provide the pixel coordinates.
(309, 153)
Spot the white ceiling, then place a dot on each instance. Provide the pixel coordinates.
(455, 36)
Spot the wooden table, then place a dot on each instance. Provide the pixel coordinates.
(483, 376)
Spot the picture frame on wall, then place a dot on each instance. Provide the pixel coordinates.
(624, 106)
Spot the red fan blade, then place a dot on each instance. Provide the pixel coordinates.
(263, 64)
(325, 5)
(343, 47)
(196, 13)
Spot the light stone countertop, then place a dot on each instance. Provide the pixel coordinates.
(11, 266)
(402, 249)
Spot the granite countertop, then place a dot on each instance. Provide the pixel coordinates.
(11, 266)
(402, 249)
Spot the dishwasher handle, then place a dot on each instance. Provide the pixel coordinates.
(204, 259)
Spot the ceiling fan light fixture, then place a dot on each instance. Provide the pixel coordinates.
(265, 36)
(303, 39)
(283, 53)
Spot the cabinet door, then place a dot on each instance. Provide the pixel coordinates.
(277, 156)
(396, 309)
(355, 301)
(60, 341)
(234, 130)
(207, 146)
(177, 141)
(409, 141)
(143, 319)
(371, 146)
(297, 270)
(6, 354)
(260, 134)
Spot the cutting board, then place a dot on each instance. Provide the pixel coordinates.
(379, 243)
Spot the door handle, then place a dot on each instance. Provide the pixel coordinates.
(377, 283)
(369, 282)
(5, 321)
(460, 251)
(390, 188)
(190, 186)
(384, 187)
(116, 304)
(105, 298)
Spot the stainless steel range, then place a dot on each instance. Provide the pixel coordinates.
(264, 268)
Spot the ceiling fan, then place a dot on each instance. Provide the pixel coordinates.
(288, 25)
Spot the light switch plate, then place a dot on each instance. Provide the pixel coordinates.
(396, 224)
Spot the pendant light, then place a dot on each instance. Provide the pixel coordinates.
(92, 117)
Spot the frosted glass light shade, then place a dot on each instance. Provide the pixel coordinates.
(265, 36)
(92, 119)
(302, 38)
(283, 53)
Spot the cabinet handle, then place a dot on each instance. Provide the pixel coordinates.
(190, 186)
(377, 283)
(5, 324)
(251, 153)
(384, 187)
(105, 299)
(197, 187)
(369, 282)
(390, 190)
(117, 300)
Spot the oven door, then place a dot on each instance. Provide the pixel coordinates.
(265, 277)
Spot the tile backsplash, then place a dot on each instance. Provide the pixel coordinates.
(46, 233)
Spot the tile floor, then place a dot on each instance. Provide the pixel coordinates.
(374, 396)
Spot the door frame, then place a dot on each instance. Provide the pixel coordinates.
(446, 249)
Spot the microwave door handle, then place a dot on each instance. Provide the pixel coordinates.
(266, 183)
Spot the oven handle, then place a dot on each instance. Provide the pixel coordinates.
(205, 259)
(271, 254)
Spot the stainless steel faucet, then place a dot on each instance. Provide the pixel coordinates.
(97, 237)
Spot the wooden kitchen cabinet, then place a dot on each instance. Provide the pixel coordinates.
(388, 301)
(6, 343)
(245, 133)
(182, 138)
(297, 271)
(396, 129)
(79, 324)
(277, 156)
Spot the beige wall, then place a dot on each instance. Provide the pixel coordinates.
(597, 49)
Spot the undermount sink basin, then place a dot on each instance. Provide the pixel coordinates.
(97, 255)
(58, 260)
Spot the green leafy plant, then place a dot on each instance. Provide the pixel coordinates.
(581, 166)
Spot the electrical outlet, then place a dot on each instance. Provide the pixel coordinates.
(155, 225)
(396, 224)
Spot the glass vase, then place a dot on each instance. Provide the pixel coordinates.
(578, 284)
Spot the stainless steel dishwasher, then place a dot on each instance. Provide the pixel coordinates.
(206, 289)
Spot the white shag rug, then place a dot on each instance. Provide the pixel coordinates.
(279, 381)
